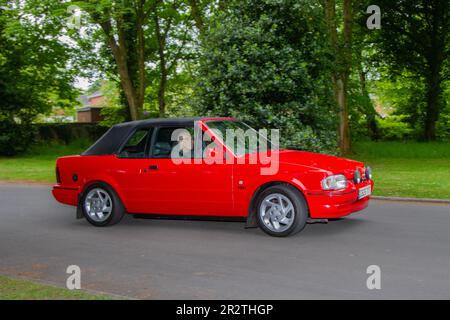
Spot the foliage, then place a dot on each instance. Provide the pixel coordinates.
(362, 112)
(402, 96)
(268, 62)
(265, 62)
(394, 128)
(113, 110)
(67, 133)
(443, 124)
(15, 138)
(414, 40)
(34, 72)
(141, 45)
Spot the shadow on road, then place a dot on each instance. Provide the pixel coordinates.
(231, 228)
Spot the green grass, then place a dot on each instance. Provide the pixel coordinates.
(39, 163)
(408, 169)
(403, 169)
(14, 289)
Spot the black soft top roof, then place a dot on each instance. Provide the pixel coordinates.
(113, 139)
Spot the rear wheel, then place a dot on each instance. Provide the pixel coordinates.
(281, 211)
(101, 206)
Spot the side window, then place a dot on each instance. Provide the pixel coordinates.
(136, 145)
(167, 139)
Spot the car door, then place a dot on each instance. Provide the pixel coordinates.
(129, 166)
(187, 188)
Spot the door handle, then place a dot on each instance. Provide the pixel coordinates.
(153, 168)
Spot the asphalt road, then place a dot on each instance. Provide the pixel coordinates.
(160, 259)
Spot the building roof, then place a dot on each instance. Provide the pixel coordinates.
(88, 108)
(85, 98)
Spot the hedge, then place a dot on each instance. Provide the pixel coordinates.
(68, 132)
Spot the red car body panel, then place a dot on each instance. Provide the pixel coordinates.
(224, 190)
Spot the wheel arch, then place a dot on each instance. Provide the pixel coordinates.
(88, 184)
(251, 218)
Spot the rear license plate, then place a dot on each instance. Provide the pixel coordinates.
(364, 192)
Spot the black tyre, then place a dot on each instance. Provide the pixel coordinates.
(281, 210)
(101, 206)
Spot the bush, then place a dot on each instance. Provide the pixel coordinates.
(15, 138)
(393, 128)
(443, 127)
(68, 132)
(18, 138)
(266, 63)
(113, 115)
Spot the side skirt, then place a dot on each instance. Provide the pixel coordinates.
(188, 217)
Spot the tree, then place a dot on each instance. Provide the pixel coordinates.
(414, 38)
(265, 62)
(123, 26)
(172, 31)
(140, 44)
(197, 14)
(342, 52)
(34, 70)
(361, 106)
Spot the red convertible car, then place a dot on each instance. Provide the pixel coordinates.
(133, 169)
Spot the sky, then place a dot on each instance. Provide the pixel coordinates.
(82, 83)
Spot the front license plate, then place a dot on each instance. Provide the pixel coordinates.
(364, 192)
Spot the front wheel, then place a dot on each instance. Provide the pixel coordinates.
(101, 206)
(281, 211)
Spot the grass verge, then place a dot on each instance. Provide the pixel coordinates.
(39, 163)
(408, 169)
(15, 289)
(401, 169)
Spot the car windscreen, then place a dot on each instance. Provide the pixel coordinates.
(239, 137)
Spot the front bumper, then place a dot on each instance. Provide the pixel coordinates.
(66, 195)
(336, 204)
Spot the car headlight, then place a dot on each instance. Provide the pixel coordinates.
(369, 173)
(335, 182)
(357, 176)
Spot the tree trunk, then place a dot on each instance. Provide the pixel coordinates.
(128, 89)
(330, 15)
(125, 81)
(344, 127)
(370, 113)
(120, 54)
(341, 73)
(161, 37)
(433, 96)
(197, 15)
(162, 94)
(435, 58)
(141, 54)
(344, 132)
